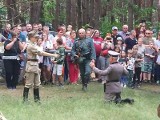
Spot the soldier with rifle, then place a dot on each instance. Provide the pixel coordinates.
(83, 52)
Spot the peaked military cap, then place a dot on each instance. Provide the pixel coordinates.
(113, 53)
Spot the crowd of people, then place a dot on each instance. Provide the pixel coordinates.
(138, 49)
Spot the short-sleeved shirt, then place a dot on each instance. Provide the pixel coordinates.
(130, 43)
(141, 50)
(97, 45)
(123, 34)
(14, 51)
(150, 52)
(131, 62)
(61, 52)
(138, 63)
(21, 37)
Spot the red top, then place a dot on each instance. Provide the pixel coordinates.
(97, 44)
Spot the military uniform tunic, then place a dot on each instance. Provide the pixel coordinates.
(85, 49)
(32, 71)
(113, 73)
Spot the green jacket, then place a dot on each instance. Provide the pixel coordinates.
(61, 52)
(85, 47)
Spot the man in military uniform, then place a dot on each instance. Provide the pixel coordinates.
(83, 52)
(113, 74)
(32, 71)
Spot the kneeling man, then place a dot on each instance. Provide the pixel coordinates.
(113, 74)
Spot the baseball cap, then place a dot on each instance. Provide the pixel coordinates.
(119, 38)
(114, 28)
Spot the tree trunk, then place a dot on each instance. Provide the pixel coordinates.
(57, 14)
(84, 11)
(68, 12)
(74, 14)
(158, 13)
(79, 11)
(97, 13)
(12, 11)
(35, 10)
(92, 13)
(130, 15)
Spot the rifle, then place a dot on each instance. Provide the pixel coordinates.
(93, 33)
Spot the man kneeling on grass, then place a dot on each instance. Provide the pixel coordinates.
(113, 72)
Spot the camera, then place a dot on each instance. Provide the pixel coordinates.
(18, 39)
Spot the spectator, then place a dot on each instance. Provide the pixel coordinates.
(69, 28)
(6, 31)
(124, 33)
(120, 43)
(147, 38)
(97, 40)
(123, 60)
(58, 63)
(130, 67)
(115, 34)
(138, 63)
(131, 40)
(73, 68)
(149, 55)
(11, 61)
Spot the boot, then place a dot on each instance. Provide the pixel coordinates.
(84, 87)
(25, 94)
(36, 95)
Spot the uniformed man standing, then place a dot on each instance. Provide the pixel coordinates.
(32, 71)
(83, 52)
(113, 73)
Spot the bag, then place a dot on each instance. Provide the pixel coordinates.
(104, 52)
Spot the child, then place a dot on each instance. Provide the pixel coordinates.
(149, 55)
(123, 61)
(138, 63)
(130, 67)
(58, 62)
(117, 49)
(120, 43)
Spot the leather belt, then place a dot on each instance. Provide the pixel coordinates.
(34, 60)
(112, 81)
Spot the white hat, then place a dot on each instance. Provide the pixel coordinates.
(113, 53)
(119, 38)
(114, 28)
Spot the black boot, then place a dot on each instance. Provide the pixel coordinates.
(84, 87)
(25, 94)
(36, 95)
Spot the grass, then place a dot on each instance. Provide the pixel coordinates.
(70, 103)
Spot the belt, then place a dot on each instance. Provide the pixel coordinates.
(34, 60)
(112, 81)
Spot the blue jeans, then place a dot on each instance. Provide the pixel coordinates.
(123, 80)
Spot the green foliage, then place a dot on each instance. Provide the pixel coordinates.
(48, 10)
(106, 25)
